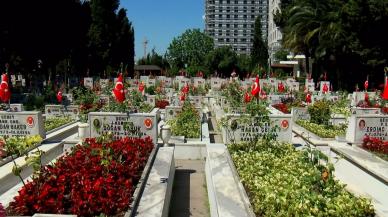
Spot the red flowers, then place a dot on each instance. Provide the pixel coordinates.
(94, 179)
(162, 104)
(375, 144)
(282, 107)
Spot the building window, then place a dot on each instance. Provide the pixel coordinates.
(252, 16)
(227, 16)
(220, 25)
(235, 16)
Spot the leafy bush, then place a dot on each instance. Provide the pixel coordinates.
(186, 123)
(281, 181)
(17, 145)
(320, 112)
(150, 90)
(55, 122)
(324, 131)
(232, 91)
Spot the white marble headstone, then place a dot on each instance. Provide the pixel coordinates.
(22, 124)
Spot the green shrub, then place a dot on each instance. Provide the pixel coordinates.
(281, 181)
(320, 112)
(323, 131)
(186, 123)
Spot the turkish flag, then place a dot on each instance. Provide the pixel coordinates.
(280, 87)
(247, 97)
(141, 87)
(5, 92)
(366, 84)
(385, 92)
(325, 88)
(256, 87)
(186, 89)
(59, 96)
(118, 91)
(308, 98)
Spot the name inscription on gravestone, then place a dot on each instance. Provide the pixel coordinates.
(252, 131)
(21, 124)
(379, 130)
(122, 125)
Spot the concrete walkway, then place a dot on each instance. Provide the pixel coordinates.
(189, 196)
(215, 134)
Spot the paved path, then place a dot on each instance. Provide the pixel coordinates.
(215, 134)
(189, 195)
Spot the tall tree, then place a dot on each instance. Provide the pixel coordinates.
(259, 53)
(102, 32)
(189, 48)
(223, 60)
(123, 45)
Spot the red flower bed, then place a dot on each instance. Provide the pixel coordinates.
(281, 107)
(375, 144)
(94, 179)
(162, 104)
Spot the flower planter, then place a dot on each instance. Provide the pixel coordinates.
(83, 130)
(137, 189)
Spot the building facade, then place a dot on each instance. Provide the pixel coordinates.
(231, 22)
(274, 33)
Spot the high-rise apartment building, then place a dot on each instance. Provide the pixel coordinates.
(231, 22)
(274, 33)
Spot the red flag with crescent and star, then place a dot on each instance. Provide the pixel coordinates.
(118, 91)
(5, 92)
(256, 87)
(59, 96)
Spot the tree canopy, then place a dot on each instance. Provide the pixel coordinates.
(92, 35)
(345, 38)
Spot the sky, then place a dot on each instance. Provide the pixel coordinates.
(161, 20)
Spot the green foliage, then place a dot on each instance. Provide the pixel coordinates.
(281, 181)
(323, 131)
(186, 123)
(55, 122)
(320, 112)
(189, 48)
(341, 106)
(150, 90)
(222, 59)
(17, 145)
(84, 96)
(154, 58)
(34, 102)
(233, 94)
(281, 55)
(346, 35)
(259, 53)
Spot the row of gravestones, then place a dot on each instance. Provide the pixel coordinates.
(120, 124)
(167, 81)
(135, 125)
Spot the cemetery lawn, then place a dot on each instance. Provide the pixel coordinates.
(281, 181)
(323, 131)
(55, 122)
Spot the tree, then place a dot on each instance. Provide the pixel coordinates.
(154, 58)
(102, 32)
(259, 53)
(345, 38)
(223, 60)
(123, 46)
(189, 48)
(281, 55)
